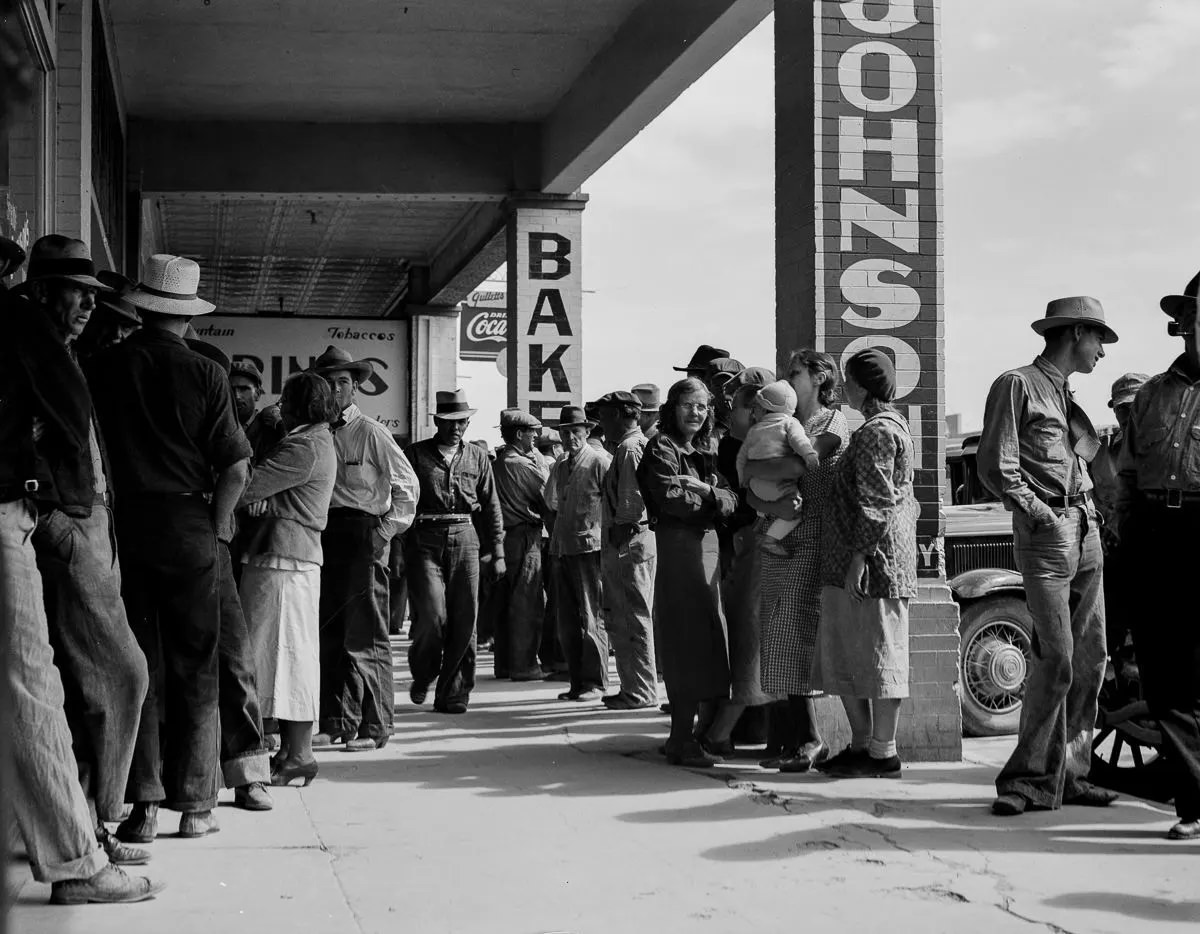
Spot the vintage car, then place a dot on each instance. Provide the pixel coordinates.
(995, 629)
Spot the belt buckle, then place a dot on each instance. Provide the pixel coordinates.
(1174, 499)
(31, 486)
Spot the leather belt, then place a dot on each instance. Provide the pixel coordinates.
(18, 489)
(1066, 502)
(443, 518)
(1172, 499)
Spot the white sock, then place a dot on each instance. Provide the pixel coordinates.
(881, 750)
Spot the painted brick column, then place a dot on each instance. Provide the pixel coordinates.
(73, 125)
(545, 304)
(433, 364)
(859, 264)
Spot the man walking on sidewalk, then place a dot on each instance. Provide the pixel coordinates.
(1033, 454)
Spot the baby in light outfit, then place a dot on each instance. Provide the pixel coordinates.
(776, 432)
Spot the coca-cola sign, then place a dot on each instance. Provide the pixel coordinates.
(483, 332)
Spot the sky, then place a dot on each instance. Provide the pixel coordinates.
(1070, 133)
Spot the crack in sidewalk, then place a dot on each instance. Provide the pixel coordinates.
(333, 867)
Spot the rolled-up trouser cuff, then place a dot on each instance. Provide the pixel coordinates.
(246, 769)
(83, 868)
(191, 807)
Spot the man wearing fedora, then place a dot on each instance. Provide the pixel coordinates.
(1034, 454)
(180, 460)
(573, 496)
(518, 602)
(114, 319)
(374, 500)
(649, 398)
(704, 355)
(458, 507)
(628, 556)
(1157, 516)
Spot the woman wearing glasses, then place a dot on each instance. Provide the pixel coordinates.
(679, 482)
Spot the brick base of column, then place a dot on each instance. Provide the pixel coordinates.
(931, 717)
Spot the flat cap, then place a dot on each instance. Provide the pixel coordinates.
(1125, 388)
(518, 418)
(618, 397)
(247, 369)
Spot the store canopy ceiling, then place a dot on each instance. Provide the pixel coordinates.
(347, 158)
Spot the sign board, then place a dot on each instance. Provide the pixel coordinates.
(545, 306)
(283, 346)
(483, 323)
(877, 276)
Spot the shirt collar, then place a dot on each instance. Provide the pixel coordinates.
(349, 414)
(1179, 368)
(1052, 372)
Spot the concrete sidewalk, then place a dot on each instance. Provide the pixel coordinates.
(529, 815)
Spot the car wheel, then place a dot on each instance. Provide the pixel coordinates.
(996, 636)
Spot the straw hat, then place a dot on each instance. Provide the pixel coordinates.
(168, 286)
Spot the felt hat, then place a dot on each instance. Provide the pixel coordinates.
(547, 441)
(700, 359)
(618, 398)
(518, 418)
(205, 349)
(452, 405)
(1078, 309)
(58, 257)
(11, 256)
(247, 369)
(116, 288)
(1125, 388)
(1176, 305)
(169, 285)
(649, 395)
(572, 416)
(720, 371)
(334, 359)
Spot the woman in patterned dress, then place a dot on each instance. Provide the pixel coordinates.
(791, 590)
(869, 572)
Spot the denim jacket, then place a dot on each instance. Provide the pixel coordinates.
(577, 483)
(1162, 446)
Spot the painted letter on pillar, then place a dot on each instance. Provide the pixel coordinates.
(545, 363)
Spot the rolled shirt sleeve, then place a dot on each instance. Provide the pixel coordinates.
(402, 480)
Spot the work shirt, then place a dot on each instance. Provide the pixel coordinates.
(622, 496)
(577, 480)
(520, 482)
(373, 475)
(1162, 446)
(167, 415)
(1104, 474)
(264, 431)
(1030, 447)
(464, 486)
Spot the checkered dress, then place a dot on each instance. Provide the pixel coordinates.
(791, 586)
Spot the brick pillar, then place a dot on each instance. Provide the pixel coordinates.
(859, 264)
(73, 132)
(545, 304)
(433, 363)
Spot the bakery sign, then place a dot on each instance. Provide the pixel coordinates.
(483, 323)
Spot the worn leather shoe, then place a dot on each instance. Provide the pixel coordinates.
(120, 854)
(590, 694)
(327, 739)
(842, 759)
(1185, 830)
(1092, 796)
(622, 701)
(1009, 804)
(141, 826)
(450, 707)
(867, 766)
(361, 744)
(417, 693)
(252, 797)
(110, 885)
(805, 758)
(690, 755)
(195, 824)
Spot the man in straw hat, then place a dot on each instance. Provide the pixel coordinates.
(1157, 515)
(1033, 454)
(518, 602)
(458, 496)
(374, 500)
(180, 461)
(50, 463)
(573, 496)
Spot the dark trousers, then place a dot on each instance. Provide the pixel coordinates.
(1166, 638)
(103, 668)
(518, 604)
(584, 641)
(397, 587)
(357, 689)
(244, 755)
(172, 596)
(1063, 571)
(443, 584)
(550, 651)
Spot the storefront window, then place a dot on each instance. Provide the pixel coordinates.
(23, 168)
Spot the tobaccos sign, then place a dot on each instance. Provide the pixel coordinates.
(283, 346)
(879, 235)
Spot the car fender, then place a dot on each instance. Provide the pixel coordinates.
(982, 582)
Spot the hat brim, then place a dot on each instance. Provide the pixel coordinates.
(586, 423)
(359, 369)
(182, 307)
(125, 314)
(79, 280)
(1176, 305)
(1042, 325)
(455, 416)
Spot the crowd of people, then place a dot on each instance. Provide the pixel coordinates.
(198, 591)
